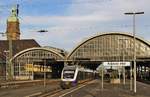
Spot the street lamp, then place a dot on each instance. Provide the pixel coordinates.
(9, 65)
(44, 69)
(134, 58)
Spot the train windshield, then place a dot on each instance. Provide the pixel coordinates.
(68, 73)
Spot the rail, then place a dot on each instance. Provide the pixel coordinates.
(16, 84)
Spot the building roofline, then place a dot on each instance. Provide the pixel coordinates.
(36, 48)
(106, 33)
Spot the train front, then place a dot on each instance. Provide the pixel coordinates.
(68, 77)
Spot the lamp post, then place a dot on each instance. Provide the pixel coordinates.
(9, 66)
(44, 78)
(134, 46)
(10, 56)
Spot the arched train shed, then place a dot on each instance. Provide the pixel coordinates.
(108, 47)
(30, 62)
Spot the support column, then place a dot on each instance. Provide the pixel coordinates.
(144, 72)
(131, 78)
(124, 76)
(102, 77)
(141, 72)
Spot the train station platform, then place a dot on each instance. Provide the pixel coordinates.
(114, 90)
(28, 88)
(93, 89)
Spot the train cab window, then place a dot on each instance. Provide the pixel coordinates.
(68, 74)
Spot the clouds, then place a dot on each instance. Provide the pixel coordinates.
(69, 22)
(86, 17)
(109, 7)
(61, 19)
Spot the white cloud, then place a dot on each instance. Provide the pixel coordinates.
(62, 19)
(84, 18)
(114, 8)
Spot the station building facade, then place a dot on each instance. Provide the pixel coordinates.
(17, 46)
(105, 47)
(111, 46)
(33, 62)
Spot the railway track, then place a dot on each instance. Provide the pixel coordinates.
(51, 93)
(20, 84)
(57, 91)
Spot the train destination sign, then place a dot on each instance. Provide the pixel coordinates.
(116, 63)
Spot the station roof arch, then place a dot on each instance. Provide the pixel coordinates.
(35, 59)
(110, 46)
(54, 54)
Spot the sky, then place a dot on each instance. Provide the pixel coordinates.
(69, 22)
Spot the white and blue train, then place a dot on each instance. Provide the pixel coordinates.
(72, 75)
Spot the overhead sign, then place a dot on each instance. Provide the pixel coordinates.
(116, 63)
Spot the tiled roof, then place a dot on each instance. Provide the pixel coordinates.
(17, 45)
